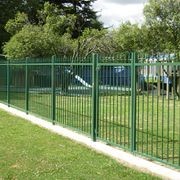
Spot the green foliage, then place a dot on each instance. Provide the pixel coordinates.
(10, 8)
(152, 39)
(15, 25)
(128, 37)
(53, 35)
(85, 15)
(34, 41)
(159, 33)
(89, 42)
(62, 45)
(75, 16)
(29, 42)
(71, 28)
(163, 19)
(55, 20)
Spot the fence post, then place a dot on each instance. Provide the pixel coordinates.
(95, 102)
(133, 101)
(97, 96)
(8, 82)
(27, 86)
(53, 90)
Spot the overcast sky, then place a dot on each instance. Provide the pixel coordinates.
(114, 12)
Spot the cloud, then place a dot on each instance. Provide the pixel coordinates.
(124, 2)
(112, 14)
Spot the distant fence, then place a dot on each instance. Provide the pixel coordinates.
(127, 100)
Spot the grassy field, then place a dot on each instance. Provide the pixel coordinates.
(30, 152)
(157, 119)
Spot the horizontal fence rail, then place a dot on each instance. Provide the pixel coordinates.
(128, 100)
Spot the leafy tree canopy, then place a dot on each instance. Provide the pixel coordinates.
(128, 37)
(163, 18)
(8, 10)
(84, 15)
(53, 36)
(13, 26)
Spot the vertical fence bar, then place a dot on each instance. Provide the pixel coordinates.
(133, 102)
(53, 90)
(94, 96)
(8, 82)
(97, 96)
(27, 87)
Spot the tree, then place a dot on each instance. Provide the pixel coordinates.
(7, 11)
(47, 39)
(9, 8)
(163, 19)
(85, 16)
(29, 42)
(107, 44)
(88, 42)
(53, 19)
(153, 42)
(15, 25)
(128, 37)
(34, 41)
(54, 31)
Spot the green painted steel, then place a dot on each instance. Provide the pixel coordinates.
(129, 100)
(8, 83)
(27, 86)
(95, 103)
(74, 95)
(3, 83)
(53, 105)
(133, 103)
(114, 101)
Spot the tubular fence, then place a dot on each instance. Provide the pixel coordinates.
(128, 100)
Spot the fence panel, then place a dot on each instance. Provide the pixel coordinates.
(158, 113)
(3, 82)
(127, 100)
(114, 117)
(16, 95)
(40, 89)
(74, 95)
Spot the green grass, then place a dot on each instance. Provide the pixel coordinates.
(157, 120)
(30, 152)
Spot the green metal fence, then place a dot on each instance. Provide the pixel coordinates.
(128, 100)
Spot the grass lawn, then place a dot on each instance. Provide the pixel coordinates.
(30, 152)
(157, 119)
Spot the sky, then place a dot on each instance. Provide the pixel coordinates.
(114, 12)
